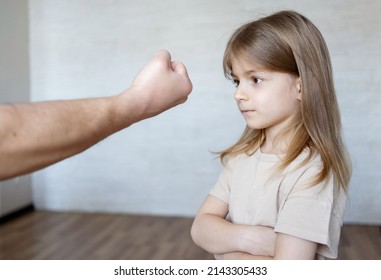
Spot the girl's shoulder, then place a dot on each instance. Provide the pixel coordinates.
(301, 177)
(307, 159)
(249, 157)
(232, 160)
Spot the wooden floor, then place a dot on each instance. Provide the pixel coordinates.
(50, 235)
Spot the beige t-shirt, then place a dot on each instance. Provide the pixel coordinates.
(285, 202)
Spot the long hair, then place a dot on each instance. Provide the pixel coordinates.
(288, 42)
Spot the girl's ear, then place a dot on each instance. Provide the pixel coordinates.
(299, 88)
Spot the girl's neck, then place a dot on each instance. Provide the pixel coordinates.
(278, 138)
(269, 147)
(275, 143)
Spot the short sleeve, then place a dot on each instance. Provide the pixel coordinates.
(221, 189)
(309, 213)
(305, 218)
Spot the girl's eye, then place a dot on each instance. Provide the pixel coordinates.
(236, 83)
(257, 80)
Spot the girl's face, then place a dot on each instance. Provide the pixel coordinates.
(266, 99)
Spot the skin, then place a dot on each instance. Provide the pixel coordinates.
(267, 100)
(212, 232)
(35, 135)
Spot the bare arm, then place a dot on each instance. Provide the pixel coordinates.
(213, 233)
(35, 135)
(226, 240)
(287, 248)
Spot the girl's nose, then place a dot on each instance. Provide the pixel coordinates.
(239, 94)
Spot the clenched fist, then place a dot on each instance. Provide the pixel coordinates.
(159, 86)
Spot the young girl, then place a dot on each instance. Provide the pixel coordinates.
(283, 190)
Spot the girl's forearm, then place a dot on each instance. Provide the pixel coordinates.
(217, 235)
(240, 256)
(257, 240)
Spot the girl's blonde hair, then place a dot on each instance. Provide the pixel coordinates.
(288, 42)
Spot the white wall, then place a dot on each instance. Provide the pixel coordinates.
(14, 87)
(163, 165)
(14, 54)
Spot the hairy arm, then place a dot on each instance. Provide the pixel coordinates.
(35, 135)
(216, 235)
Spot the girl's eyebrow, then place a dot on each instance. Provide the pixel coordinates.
(251, 72)
(248, 72)
(255, 71)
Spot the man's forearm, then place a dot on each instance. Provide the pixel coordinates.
(38, 134)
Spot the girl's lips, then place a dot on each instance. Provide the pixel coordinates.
(246, 111)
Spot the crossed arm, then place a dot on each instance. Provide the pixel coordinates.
(226, 240)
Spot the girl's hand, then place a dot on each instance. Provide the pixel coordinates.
(257, 240)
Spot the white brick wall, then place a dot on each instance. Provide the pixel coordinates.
(163, 165)
(14, 87)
